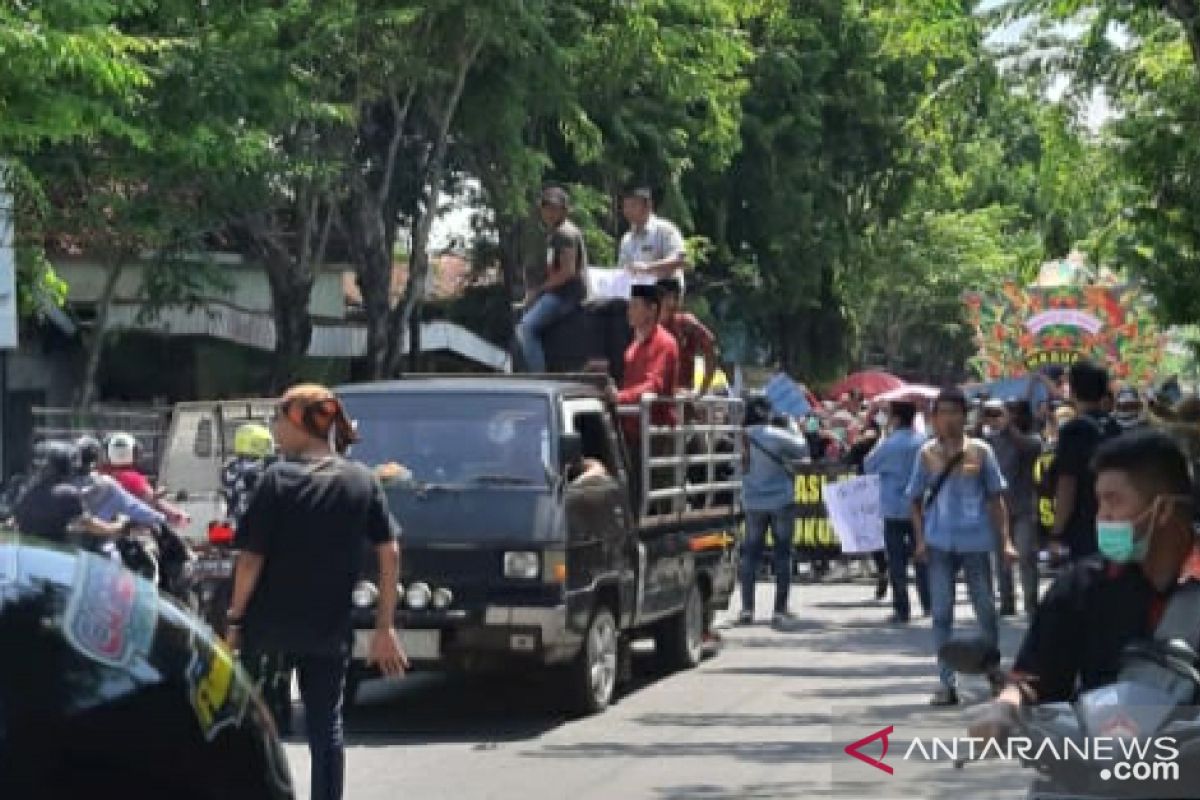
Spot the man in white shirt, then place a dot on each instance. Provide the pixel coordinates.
(653, 247)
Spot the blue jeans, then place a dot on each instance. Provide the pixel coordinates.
(943, 569)
(899, 539)
(322, 679)
(783, 526)
(546, 310)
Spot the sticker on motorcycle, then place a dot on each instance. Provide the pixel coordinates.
(218, 696)
(112, 614)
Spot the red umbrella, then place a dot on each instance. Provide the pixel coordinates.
(869, 383)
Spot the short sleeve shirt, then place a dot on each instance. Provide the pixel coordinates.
(658, 240)
(563, 238)
(692, 336)
(1077, 444)
(958, 519)
(312, 522)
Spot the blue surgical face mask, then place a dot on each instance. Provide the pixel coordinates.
(1120, 542)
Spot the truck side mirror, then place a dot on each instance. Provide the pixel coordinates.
(570, 449)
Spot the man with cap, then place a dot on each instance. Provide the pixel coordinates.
(301, 543)
(653, 247)
(556, 287)
(691, 335)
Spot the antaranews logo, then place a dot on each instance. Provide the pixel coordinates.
(1113, 758)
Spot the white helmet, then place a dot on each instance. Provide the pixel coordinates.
(122, 450)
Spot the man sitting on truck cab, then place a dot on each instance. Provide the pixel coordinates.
(560, 285)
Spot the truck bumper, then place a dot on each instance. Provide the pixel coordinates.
(495, 637)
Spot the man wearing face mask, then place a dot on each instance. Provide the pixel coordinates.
(1105, 602)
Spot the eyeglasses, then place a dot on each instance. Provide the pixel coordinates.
(993, 414)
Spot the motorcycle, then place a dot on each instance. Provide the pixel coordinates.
(1151, 704)
(162, 557)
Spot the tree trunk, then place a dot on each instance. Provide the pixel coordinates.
(95, 350)
(372, 252)
(418, 270)
(291, 289)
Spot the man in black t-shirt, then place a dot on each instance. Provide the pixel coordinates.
(557, 286)
(1075, 495)
(1103, 603)
(302, 541)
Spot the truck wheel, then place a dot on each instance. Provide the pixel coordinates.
(679, 643)
(593, 678)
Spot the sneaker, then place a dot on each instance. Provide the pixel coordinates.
(944, 697)
(896, 619)
(783, 619)
(881, 586)
(746, 618)
(1008, 609)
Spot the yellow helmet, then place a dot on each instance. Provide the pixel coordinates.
(253, 440)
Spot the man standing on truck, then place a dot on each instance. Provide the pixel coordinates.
(301, 543)
(651, 362)
(653, 247)
(691, 335)
(560, 285)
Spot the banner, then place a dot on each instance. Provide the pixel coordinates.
(853, 507)
(1027, 328)
(813, 528)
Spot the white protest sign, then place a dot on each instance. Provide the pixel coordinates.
(853, 508)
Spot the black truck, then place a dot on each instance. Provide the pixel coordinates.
(532, 539)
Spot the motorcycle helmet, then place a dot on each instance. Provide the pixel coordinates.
(118, 692)
(122, 450)
(61, 460)
(90, 453)
(253, 440)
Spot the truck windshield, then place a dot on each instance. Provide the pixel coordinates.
(456, 439)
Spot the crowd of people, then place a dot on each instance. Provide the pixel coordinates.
(960, 480)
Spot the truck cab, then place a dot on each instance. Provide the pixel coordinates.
(528, 540)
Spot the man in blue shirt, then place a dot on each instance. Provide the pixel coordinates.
(769, 494)
(892, 460)
(957, 496)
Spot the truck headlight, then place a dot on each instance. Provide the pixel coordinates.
(419, 596)
(442, 598)
(364, 595)
(524, 565)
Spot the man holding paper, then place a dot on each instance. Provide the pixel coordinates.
(653, 247)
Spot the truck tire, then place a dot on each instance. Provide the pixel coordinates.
(679, 642)
(592, 679)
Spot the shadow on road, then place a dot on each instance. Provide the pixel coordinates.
(483, 710)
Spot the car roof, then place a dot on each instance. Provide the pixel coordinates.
(482, 384)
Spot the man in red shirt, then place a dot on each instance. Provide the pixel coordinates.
(651, 368)
(691, 335)
(122, 465)
(652, 361)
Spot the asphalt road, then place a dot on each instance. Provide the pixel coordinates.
(768, 716)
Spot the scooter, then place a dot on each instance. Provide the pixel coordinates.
(1160, 714)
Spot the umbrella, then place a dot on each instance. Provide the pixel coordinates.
(869, 383)
(911, 393)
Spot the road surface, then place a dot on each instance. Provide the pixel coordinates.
(767, 717)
